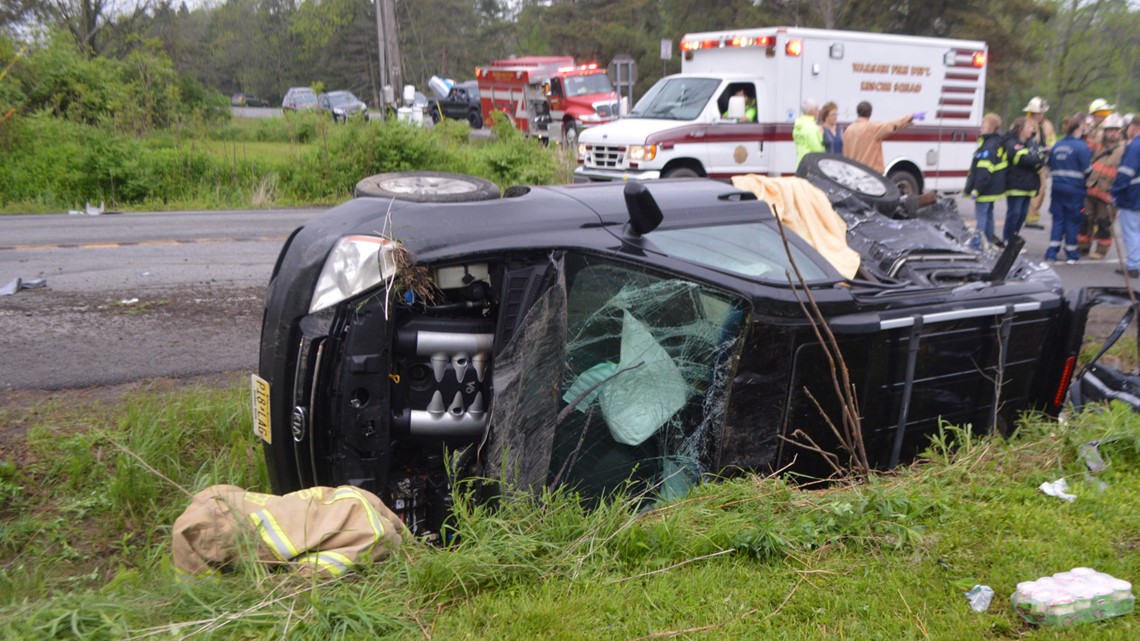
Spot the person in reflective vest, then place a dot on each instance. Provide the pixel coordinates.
(1022, 181)
(985, 183)
(806, 132)
(1069, 166)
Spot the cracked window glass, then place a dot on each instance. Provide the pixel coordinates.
(647, 363)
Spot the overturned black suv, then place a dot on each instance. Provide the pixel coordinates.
(601, 335)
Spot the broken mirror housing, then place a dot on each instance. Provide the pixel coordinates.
(606, 337)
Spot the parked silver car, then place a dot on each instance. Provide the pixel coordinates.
(299, 99)
(342, 105)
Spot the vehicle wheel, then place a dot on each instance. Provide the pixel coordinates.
(681, 172)
(570, 136)
(427, 187)
(866, 183)
(475, 120)
(435, 116)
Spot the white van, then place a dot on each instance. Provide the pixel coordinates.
(678, 129)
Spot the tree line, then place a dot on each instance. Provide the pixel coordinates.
(1066, 50)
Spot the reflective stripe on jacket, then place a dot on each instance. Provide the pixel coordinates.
(1069, 165)
(1023, 177)
(317, 530)
(986, 181)
(1126, 188)
(1102, 172)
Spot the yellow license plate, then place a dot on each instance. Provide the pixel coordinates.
(260, 392)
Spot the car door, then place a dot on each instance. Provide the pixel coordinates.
(738, 147)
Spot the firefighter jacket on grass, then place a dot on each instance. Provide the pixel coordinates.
(321, 530)
(986, 182)
(1025, 161)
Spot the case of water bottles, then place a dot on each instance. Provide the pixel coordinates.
(1065, 599)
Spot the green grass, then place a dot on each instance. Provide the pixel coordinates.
(53, 165)
(90, 490)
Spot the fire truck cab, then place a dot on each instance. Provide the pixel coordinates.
(680, 126)
(548, 96)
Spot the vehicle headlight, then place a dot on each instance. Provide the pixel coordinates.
(581, 150)
(590, 118)
(642, 152)
(355, 264)
(338, 111)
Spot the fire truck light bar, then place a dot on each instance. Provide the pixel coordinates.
(587, 67)
(693, 45)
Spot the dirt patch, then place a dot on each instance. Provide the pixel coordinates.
(65, 340)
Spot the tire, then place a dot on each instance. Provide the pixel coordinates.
(434, 116)
(427, 187)
(846, 174)
(681, 172)
(908, 192)
(570, 136)
(475, 119)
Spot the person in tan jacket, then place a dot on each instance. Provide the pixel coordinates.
(863, 139)
(319, 530)
(1046, 137)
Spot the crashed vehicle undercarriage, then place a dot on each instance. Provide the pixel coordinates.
(597, 334)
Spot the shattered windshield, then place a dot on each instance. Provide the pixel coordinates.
(642, 363)
(754, 250)
(675, 99)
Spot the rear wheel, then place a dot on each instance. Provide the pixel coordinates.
(907, 185)
(427, 187)
(861, 180)
(475, 119)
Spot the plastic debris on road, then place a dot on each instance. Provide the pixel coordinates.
(1059, 489)
(980, 597)
(1065, 599)
(16, 284)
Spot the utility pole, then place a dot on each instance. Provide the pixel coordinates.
(388, 46)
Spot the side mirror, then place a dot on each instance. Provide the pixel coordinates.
(644, 213)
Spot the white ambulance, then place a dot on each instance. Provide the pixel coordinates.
(678, 127)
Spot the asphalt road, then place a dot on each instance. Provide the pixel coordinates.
(136, 296)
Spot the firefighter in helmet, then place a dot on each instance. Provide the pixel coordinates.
(1099, 109)
(1046, 137)
(1100, 213)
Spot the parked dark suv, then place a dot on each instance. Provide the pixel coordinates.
(342, 105)
(461, 103)
(595, 335)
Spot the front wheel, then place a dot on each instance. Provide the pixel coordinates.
(681, 172)
(475, 119)
(570, 135)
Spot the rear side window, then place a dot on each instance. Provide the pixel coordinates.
(753, 250)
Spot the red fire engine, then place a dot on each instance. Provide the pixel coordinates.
(548, 95)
